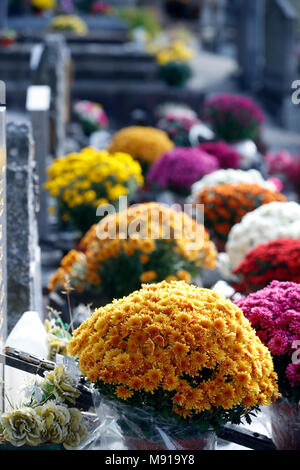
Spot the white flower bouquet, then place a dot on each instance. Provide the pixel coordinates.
(268, 222)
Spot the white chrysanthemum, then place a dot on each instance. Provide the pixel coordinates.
(268, 222)
(77, 430)
(231, 176)
(22, 427)
(56, 419)
(65, 385)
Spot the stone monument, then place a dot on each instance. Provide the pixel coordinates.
(23, 253)
(3, 325)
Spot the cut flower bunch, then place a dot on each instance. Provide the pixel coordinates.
(48, 417)
(145, 144)
(274, 260)
(179, 350)
(168, 245)
(226, 204)
(91, 115)
(177, 122)
(90, 178)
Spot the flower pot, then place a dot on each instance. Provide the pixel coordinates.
(142, 428)
(203, 441)
(285, 422)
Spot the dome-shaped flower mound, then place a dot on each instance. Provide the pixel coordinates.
(225, 205)
(275, 313)
(274, 260)
(181, 167)
(231, 176)
(90, 178)
(145, 144)
(179, 348)
(227, 156)
(146, 242)
(233, 117)
(268, 222)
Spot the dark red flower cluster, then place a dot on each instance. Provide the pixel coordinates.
(274, 260)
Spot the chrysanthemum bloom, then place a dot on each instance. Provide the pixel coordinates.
(83, 181)
(226, 204)
(145, 144)
(227, 156)
(195, 353)
(180, 168)
(274, 260)
(145, 243)
(22, 426)
(268, 222)
(233, 117)
(64, 385)
(231, 176)
(275, 313)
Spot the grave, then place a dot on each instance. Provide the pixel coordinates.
(38, 106)
(51, 66)
(3, 299)
(23, 252)
(250, 41)
(280, 62)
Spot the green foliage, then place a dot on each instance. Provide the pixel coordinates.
(138, 17)
(159, 405)
(120, 276)
(175, 73)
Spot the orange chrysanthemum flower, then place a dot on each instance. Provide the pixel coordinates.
(114, 259)
(226, 204)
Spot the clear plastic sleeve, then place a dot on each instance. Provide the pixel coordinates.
(285, 424)
(123, 427)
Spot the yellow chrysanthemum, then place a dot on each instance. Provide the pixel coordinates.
(200, 373)
(100, 246)
(145, 144)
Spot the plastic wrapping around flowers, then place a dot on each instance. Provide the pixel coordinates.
(123, 427)
(285, 424)
(268, 222)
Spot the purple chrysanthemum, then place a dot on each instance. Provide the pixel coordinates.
(227, 156)
(275, 313)
(182, 167)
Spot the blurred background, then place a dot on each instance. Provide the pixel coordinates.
(78, 71)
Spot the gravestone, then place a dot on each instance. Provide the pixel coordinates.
(280, 46)
(23, 253)
(3, 14)
(38, 105)
(52, 67)
(3, 324)
(250, 41)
